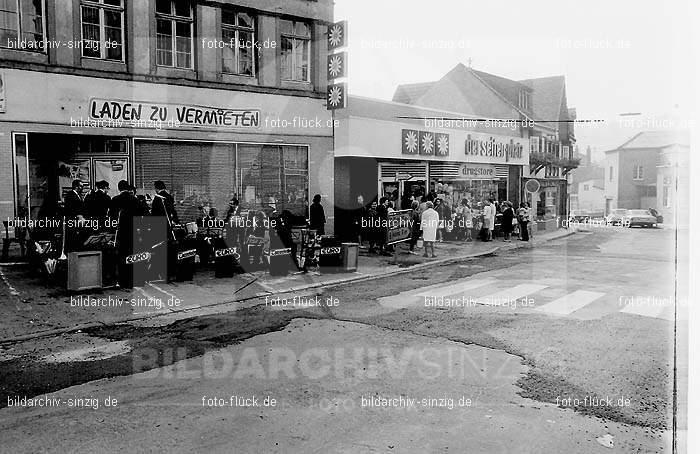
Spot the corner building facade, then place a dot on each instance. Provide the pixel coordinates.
(217, 99)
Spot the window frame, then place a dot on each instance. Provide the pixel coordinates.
(294, 37)
(236, 29)
(101, 6)
(174, 19)
(44, 38)
(638, 172)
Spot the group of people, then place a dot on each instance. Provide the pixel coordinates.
(98, 212)
(434, 220)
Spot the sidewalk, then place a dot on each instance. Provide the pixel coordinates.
(32, 308)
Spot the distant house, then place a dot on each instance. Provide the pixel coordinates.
(590, 195)
(643, 173)
(587, 186)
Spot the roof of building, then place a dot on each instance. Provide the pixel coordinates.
(468, 90)
(547, 96)
(587, 173)
(655, 139)
(408, 93)
(363, 107)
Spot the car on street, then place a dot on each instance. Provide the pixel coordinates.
(579, 215)
(642, 218)
(615, 216)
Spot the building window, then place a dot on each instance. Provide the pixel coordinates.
(296, 50)
(638, 172)
(238, 35)
(586, 187)
(647, 191)
(102, 24)
(22, 25)
(524, 100)
(667, 197)
(174, 24)
(611, 174)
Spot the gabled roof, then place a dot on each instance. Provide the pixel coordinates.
(464, 90)
(408, 93)
(655, 139)
(509, 89)
(480, 93)
(547, 96)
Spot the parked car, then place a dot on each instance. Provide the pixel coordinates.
(642, 218)
(579, 215)
(615, 216)
(659, 218)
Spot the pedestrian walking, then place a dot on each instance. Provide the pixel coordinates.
(508, 216)
(429, 225)
(317, 217)
(415, 226)
(489, 217)
(524, 220)
(373, 229)
(531, 219)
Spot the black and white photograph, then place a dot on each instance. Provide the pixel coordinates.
(348, 226)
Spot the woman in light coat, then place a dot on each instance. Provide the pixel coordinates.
(429, 225)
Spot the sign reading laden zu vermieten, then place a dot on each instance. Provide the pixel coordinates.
(141, 114)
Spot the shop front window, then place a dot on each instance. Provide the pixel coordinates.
(21, 176)
(206, 176)
(273, 176)
(474, 191)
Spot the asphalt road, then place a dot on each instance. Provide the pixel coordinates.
(562, 347)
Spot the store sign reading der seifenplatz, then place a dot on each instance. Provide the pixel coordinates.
(143, 114)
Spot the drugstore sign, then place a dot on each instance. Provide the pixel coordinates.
(120, 113)
(477, 171)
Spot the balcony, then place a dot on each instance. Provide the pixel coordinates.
(539, 161)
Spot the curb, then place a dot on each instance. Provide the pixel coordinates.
(329, 284)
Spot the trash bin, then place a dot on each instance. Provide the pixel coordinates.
(280, 261)
(84, 270)
(350, 253)
(225, 259)
(330, 256)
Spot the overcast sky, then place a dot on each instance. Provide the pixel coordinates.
(645, 68)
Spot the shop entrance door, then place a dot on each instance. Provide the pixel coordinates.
(112, 170)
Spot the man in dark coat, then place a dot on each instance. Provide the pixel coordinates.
(164, 204)
(73, 201)
(317, 217)
(74, 211)
(124, 208)
(98, 202)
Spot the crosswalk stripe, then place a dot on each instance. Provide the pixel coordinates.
(455, 289)
(645, 310)
(417, 296)
(504, 297)
(570, 303)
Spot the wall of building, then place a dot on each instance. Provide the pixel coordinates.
(628, 192)
(140, 43)
(611, 177)
(592, 199)
(55, 103)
